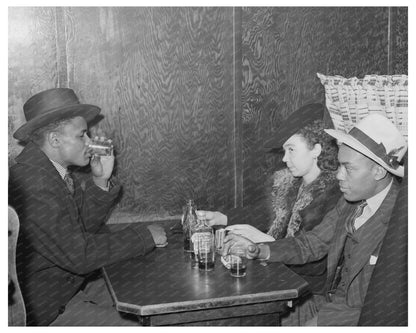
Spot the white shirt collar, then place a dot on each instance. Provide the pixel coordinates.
(373, 204)
(375, 201)
(61, 170)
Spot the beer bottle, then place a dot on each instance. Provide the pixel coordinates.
(189, 222)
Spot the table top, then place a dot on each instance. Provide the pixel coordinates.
(164, 281)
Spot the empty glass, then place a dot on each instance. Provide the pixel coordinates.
(101, 146)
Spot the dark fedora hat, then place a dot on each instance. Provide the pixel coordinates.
(296, 121)
(53, 105)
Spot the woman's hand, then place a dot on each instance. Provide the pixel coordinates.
(213, 218)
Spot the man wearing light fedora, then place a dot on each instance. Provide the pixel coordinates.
(63, 237)
(352, 233)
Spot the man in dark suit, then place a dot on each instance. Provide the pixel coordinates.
(352, 233)
(63, 237)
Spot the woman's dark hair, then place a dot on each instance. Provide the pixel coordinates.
(314, 133)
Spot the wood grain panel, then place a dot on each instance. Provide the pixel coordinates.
(163, 77)
(283, 49)
(32, 61)
(399, 40)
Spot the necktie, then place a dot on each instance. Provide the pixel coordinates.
(69, 183)
(351, 219)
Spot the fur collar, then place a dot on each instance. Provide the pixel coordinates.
(289, 197)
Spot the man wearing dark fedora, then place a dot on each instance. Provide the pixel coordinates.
(63, 237)
(352, 233)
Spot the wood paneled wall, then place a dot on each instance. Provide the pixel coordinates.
(32, 62)
(164, 77)
(398, 42)
(165, 80)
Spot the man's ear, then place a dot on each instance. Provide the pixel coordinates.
(317, 150)
(53, 139)
(379, 172)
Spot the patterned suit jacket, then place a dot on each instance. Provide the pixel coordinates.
(329, 238)
(62, 237)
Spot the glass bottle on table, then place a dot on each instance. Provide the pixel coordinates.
(202, 232)
(189, 222)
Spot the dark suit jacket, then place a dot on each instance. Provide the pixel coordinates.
(386, 302)
(328, 238)
(61, 237)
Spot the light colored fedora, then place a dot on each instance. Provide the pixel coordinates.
(377, 138)
(52, 105)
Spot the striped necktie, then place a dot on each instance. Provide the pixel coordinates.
(69, 183)
(356, 213)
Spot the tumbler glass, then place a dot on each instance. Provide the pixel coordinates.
(238, 262)
(101, 146)
(206, 253)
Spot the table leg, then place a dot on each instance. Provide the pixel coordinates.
(278, 320)
(144, 320)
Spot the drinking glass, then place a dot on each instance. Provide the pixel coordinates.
(238, 262)
(206, 253)
(101, 146)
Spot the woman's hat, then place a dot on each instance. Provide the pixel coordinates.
(296, 121)
(52, 105)
(377, 138)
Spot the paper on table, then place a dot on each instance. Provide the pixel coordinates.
(250, 232)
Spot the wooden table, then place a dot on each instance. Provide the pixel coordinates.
(163, 289)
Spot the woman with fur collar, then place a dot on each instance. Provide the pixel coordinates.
(309, 179)
(301, 194)
(306, 189)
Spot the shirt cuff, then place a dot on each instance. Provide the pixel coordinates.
(264, 253)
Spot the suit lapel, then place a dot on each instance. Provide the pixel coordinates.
(373, 233)
(33, 156)
(337, 246)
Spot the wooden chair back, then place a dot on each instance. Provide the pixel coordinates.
(17, 312)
